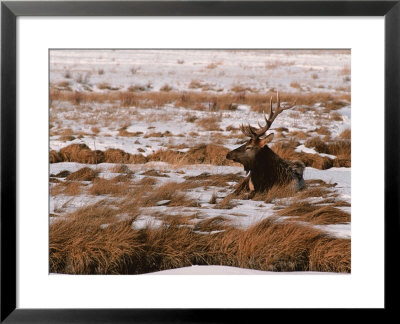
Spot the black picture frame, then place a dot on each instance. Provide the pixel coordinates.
(10, 11)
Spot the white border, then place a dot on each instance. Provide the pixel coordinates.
(363, 288)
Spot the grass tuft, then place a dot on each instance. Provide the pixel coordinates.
(80, 245)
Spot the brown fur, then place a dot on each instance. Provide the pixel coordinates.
(266, 168)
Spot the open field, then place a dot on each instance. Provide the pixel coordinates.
(139, 181)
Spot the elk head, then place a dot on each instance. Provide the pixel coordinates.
(254, 153)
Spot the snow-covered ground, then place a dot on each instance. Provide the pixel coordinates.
(225, 270)
(99, 124)
(315, 71)
(243, 214)
(221, 70)
(171, 120)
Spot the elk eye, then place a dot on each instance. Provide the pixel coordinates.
(248, 148)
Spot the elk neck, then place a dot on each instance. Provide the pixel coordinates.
(266, 170)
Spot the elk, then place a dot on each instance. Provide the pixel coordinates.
(265, 168)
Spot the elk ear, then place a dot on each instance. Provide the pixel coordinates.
(266, 140)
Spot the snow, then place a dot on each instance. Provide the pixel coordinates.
(337, 230)
(302, 148)
(226, 270)
(179, 130)
(56, 168)
(163, 202)
(64, 204)
(340, 176)
(145, 221)
(243, 214)
(258, 70)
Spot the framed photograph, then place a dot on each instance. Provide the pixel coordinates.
(181, 160)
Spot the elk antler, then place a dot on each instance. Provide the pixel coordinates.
(248, 130)
(255, 133)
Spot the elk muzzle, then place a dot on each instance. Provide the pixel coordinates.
(241, 156)
(234, 156)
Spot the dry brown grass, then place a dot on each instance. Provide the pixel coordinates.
(225, 203)
(323, 130)
(126, 99)
(68, 188)
(335, 116)
(121, 168)
(190, 119)
(335, 147)
(217, 223)
(210, 123)
(273, 64)
(298, 135)
(216, 180)
(280, 247)
(208, 154)
(195, 84)
(77, 153)
(242, 89)
(154, 173)
(112, 187)
(345, 97)
(286, 151)
(311, 192)
(213, 65)
(123, 132)
(122, 178)
(84, 174)
(146, 183)
(198, 100)
(80, 245)
(339, 148)
(346, 134)
(63, 131)
(213, 199)
(346, 70)
(158, 134)
(301, 99)
(170, 191)
(66, 138)
(81, 153)
(326, 255)
(61, 174)
(334, 105)
(63, 85)
(276, 192)
(295, 85)
(166, 88)
(314, 214)
(106, 86)
(169, 156)
(138, 88)
(202, 154)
